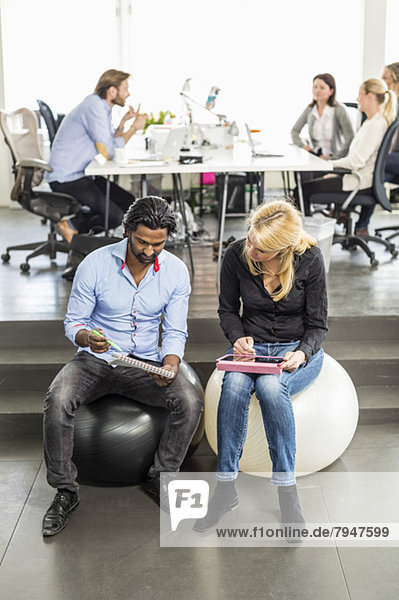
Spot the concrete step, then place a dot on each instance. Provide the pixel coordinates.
(378, 404)
(51, 332)
(340, 329)
(21, 412)
(368, 363)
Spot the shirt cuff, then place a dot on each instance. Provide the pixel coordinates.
(119, 142)
(173, 348)
(306, 349)
(72, 330)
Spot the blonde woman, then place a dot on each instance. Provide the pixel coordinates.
(380, 106)
(390, 75)
(277, 274)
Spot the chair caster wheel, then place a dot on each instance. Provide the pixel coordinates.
(5, 257)
(394, 253)
(374, 263)
(24, 267)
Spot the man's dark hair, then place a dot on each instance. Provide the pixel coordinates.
(152, 212)
(110, 78)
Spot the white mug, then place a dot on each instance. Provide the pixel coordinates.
(120, 156)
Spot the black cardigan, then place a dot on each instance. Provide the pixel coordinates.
(302, 315)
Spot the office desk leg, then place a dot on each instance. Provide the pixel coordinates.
(221, 231)
(107, 200)
(300, 193)
(177, 182)
(143, 186)
(261, 187)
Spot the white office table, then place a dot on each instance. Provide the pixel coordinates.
(239, 159)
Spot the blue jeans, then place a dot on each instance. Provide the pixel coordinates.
(274, 394)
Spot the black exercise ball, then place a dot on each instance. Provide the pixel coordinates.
(116, 437)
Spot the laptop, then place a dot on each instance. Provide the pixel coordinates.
(171, 150)
(258, 152)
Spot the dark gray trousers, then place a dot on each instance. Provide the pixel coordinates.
(85, 379)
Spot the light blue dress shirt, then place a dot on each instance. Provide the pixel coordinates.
(74, 146)
(104, 295)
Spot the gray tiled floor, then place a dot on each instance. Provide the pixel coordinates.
(110, 550)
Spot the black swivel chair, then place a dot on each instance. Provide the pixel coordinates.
(52, 121)
(20, 133)
(394, 228)
(357, 116)
(345, 202)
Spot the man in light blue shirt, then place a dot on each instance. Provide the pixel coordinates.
(85, 132)
(123, 291)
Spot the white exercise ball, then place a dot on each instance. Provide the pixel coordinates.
(326, 416)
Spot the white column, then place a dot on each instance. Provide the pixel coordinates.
(374, 25)
(5, 159)
(124, 32)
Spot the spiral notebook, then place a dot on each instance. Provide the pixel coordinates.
(120, 360)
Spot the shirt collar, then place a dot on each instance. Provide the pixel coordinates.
(109, 108)
(120, 248)
(328, 109)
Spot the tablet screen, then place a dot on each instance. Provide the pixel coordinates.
(254, 359)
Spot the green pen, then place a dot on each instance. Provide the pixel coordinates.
(109, 341)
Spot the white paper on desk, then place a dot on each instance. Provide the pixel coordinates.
(100, 159)
(144, 163)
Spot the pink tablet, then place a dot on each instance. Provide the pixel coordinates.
(248, 363)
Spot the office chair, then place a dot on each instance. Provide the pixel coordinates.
(345, 202)
(394, 228)
(356, 116)
(52, 122)
(20, 133)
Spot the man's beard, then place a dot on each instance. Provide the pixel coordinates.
(141, 257)
(119, 101)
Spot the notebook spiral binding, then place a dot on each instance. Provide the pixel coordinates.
(134, 362)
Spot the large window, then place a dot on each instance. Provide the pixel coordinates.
(55, 50)
(262, 54)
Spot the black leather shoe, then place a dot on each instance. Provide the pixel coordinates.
(156, 490)
(56, 518)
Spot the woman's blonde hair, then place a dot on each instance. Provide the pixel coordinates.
(277, 227)
(386, 98)
(394, 68)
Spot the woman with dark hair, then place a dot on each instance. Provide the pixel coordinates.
(330, 128)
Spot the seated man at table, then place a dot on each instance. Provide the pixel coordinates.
(122, 291)
(85, 132)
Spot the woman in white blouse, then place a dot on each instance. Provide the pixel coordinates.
(329, 126)
(379, 104)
